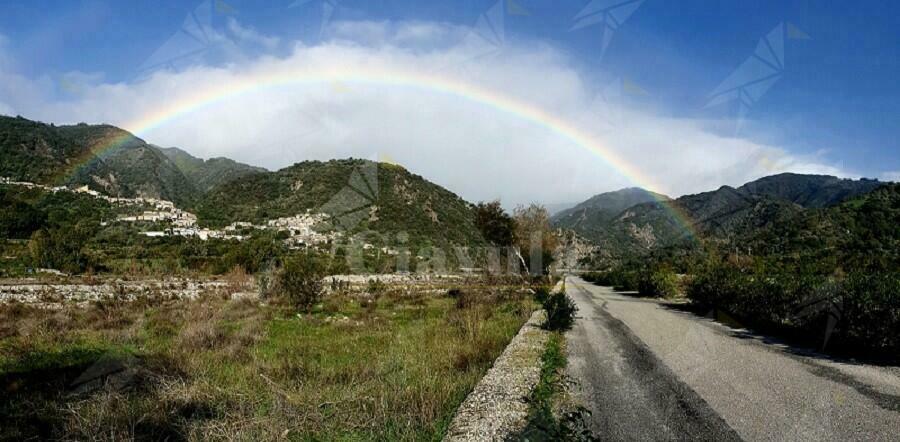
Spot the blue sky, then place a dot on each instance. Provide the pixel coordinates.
(835, 101)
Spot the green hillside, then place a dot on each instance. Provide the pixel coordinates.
(726, 216)
(77, 155)
(809, 190)
(359, 194)
(591, 217)
(205, 175)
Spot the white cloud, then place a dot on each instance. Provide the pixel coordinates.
(409, 35)
(893, 175)
(471, 146)
(250, 35)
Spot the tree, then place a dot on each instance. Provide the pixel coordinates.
(61, 249)
(19, 220)
(300, 281)
(534, 236)
(495, 224)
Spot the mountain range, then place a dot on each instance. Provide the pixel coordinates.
(722, 215)
(596, 212)
(364, 196)
(110, 160)
(360, 195)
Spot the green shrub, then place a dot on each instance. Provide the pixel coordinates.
(560, 311)
(300, 281)
(622, 278)
(865, 306)
(662, 283)
(376, 287)
(870, 312)
(541, 293)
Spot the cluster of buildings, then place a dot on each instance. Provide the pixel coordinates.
(300, 229)
(27, 185)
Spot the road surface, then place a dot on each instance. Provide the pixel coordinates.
(651, 372)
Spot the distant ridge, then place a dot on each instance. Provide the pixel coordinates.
(208, 174)
(594, 213)
(221, 190)
(724, 215)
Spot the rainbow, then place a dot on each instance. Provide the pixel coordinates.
(399, 78)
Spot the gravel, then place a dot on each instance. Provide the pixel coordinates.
(498, 406)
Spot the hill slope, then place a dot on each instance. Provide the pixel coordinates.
(360, 195)
(726, 216)
(76, 155)
(858, 233)
(207, 174)
(809, 190)
(591, 216)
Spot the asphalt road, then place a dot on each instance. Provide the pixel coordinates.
(647, 371)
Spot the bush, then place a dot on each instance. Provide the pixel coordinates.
(560, 311)
(376, 287)
(300, 281)
(541, 293)
(871, 312)
(773, 297)
(662, 283)
(61, 249)
(619, 278)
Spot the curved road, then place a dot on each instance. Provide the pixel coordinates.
(650, 372)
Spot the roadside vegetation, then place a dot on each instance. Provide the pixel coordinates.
(552, 415)
(560, 309)
(830, 280)
(379, 362)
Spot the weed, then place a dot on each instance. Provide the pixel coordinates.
(560, 312)
(543, 423)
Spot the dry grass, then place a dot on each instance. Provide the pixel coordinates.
(388, 365)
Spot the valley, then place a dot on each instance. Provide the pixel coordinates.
(454, 221)
(165, 296)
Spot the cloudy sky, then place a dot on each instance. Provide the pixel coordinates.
(522, 100)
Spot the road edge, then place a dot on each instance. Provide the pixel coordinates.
(498, 405)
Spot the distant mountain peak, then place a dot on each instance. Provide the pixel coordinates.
(809, 190)
(599, 209)
(211, 173)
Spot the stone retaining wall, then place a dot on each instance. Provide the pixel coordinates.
(498, 406)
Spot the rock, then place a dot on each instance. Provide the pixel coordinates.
(116, 374)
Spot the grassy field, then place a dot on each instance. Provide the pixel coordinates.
(388, 365)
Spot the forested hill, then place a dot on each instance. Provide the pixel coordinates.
(809, 190)
(595, 213)
(359, 194)
(80, 154)
(206, 175)
(726, 215)
(108, 159)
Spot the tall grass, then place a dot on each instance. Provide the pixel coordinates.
(215, 368)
